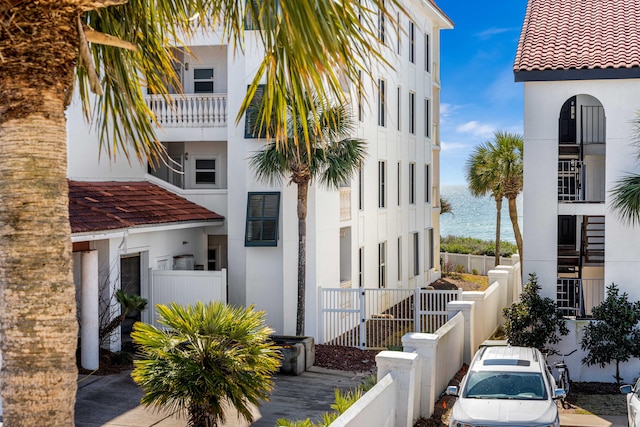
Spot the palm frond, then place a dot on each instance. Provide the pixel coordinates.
(626, 199)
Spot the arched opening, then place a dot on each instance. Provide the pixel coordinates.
(581, 179)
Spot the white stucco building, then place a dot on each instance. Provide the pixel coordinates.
(380, 230)
(579, 62)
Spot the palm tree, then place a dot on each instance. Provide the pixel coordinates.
(483, 179)
(210, 356)
(333, 156)
(496, 168)
(626, 199)
(103, 46)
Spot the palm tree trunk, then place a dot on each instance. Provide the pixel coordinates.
(38, 322)
(513, 215)
(498, 220)
(303, 190)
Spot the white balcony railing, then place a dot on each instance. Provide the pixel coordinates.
(345, 203)
(190, 110)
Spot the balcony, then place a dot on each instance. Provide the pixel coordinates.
(190, 110)
(577, 297)
(345, 203)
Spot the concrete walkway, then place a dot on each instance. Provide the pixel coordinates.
(114, 401)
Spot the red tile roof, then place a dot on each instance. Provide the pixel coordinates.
(579, 35)
(101, 206)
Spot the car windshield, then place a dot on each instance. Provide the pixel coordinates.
(505, 385)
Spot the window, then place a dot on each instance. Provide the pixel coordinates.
(381, 23)
(412, 42)
(398, 108)
(263, 211)
(415, 258)
(412, 113)
(360, 188)
(361, 267)
(427, 184)
(252, 117)
(412, 183)
(399, 258)
(427, 53)
(429, 261)
(382, 197)
(427, 117)
(382, 264)
(399, 181)
(398, 34)
(203, 80)
(205, 171)
(360, 101)
(381, 102)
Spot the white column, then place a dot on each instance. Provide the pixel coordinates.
(405, 369)
(89, 319)
(425, 346)
(502, 275)
(467, 308)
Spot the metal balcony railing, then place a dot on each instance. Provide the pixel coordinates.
(577, 297)
(571, 175)
(190, 110)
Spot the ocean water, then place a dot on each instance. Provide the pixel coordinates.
(476, 216)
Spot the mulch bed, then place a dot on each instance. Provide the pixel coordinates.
(345, 358)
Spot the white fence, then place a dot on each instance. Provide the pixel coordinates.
(430, 360)
(481, 263)
(184, 287)
(378, 318)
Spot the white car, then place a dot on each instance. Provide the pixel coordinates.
(633, 403)
(506, 386)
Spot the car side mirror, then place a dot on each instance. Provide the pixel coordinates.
(452, 390)
(626, 389)
(559, 393)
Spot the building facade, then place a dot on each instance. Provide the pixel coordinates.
(379, 230)
(579, 64)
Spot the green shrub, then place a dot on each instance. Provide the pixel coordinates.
(473, 246)
(474, 271)
(613, 336)
(459, 269)
(533, 321)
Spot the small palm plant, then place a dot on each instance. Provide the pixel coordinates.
(210, 357)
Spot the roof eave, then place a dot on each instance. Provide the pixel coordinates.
(144, 228)
(576, 74)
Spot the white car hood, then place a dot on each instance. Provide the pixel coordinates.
(498, 411)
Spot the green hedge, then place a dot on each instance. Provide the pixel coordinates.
(470, 245)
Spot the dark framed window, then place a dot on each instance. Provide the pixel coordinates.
(360, 100)
(382, 264)
(412, 113)
(399, 182)
(205, 171)
(381, 23)
(382, 110)
(416, 254)
(398, 35)
(263, 211)
(252, 117)
(412, 183)
(203, 80)
(399, 258)
(427, 117)
(430, 262)
(427, 53)
(412, 42)
(382, 182)
(398, 117)
(427, 183)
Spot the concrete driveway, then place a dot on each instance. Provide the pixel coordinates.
(114, 401)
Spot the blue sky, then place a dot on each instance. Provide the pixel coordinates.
(478, 94)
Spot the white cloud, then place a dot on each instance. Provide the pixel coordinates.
(476, 128)
(453, 146)
(490, 32)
